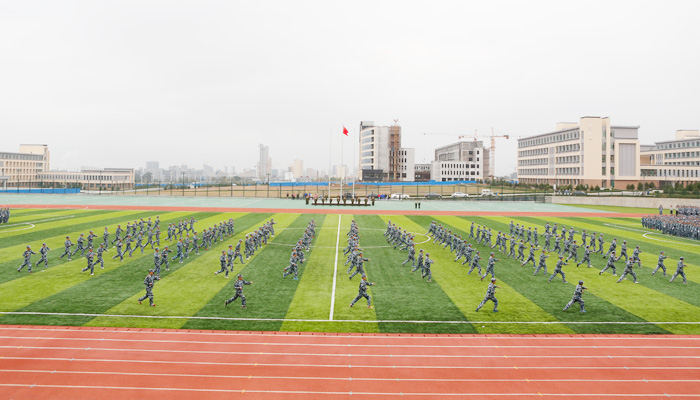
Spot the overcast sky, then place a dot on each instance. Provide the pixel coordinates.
(119, 83)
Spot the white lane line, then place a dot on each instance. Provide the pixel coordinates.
(325, 378)
(359, 320)
(332, 355)
(345, 336)
(346, 366)
(346, 345)
(351, 393)
(335, 269)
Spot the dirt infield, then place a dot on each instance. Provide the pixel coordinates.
(42, 362)
(340, 210)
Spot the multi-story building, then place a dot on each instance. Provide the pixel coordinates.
(592, 152)
(381, 156)
(460, 161)
(298, 168)
(24, 166)
(90, 178)
(671, 161)
(421, 172)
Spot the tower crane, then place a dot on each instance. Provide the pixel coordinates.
(492, 149)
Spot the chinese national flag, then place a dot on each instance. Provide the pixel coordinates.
(345, 131)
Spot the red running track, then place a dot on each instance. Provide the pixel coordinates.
(345, 211)
(38, 362)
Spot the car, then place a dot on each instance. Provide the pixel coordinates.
(399, 196)
(433, 195)
(457, 195)
(579, 193)
(487, 192)
(372, 196)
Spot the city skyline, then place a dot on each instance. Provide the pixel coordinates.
(115, 84)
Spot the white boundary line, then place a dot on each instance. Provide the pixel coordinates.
(459, 322)
(325, 378)
(351, 393)
(346, 345)
(335, 269)
(346, 366)
(351, 336)
(356, 356)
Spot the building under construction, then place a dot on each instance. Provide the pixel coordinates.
(382, 159)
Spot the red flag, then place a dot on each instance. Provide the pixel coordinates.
(345, 131)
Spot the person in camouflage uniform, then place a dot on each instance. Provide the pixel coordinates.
(490, 295)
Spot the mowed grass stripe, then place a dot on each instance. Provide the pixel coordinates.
(403, 295)
(188, 286)
(269, 296)
(467, 291)
(312, 299)
(90, 294)
(8, 269)
(552, 297)
(630, 297)
(30, 288)
(346, 290)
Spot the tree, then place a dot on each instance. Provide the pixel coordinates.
(640, 186)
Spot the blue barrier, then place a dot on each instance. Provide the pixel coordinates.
(40, 191)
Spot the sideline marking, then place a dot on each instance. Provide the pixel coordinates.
(356, 320)
(335, 269)
(31, 224)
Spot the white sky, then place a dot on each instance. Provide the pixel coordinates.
(119, 83)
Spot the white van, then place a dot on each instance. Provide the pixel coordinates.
(486, 192)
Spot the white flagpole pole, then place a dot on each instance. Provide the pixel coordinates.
(342, 142)
(354, 156)
(330, 148)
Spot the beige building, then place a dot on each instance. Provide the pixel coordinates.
(465, 160)
(591, 152)
(24, 166)
(90, 178)
(668, 162)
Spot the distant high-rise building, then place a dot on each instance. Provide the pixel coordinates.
(298, 168)
(264, 163)
(381, 156)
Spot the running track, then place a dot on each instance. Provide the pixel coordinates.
(339, 210)
(117, 363)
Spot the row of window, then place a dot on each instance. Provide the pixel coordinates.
(533, 171)
(678, 145)
(533, 152)
(20, 156)
(684, 154)
(569, 148)
(81, 177)
(459, 173)
(676, 173)
(568, 160)
(557, 137)
(683, 163)
(458, 165)
(569, 171)
(534, 161)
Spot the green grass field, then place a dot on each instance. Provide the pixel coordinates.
(191, 296)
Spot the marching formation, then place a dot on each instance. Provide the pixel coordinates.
(566, 247)
(358, 263)
(297, 257)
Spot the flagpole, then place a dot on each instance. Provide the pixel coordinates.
(330, 148)
(342, 141)
(354, 156)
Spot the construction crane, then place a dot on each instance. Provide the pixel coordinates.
(492, 149)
